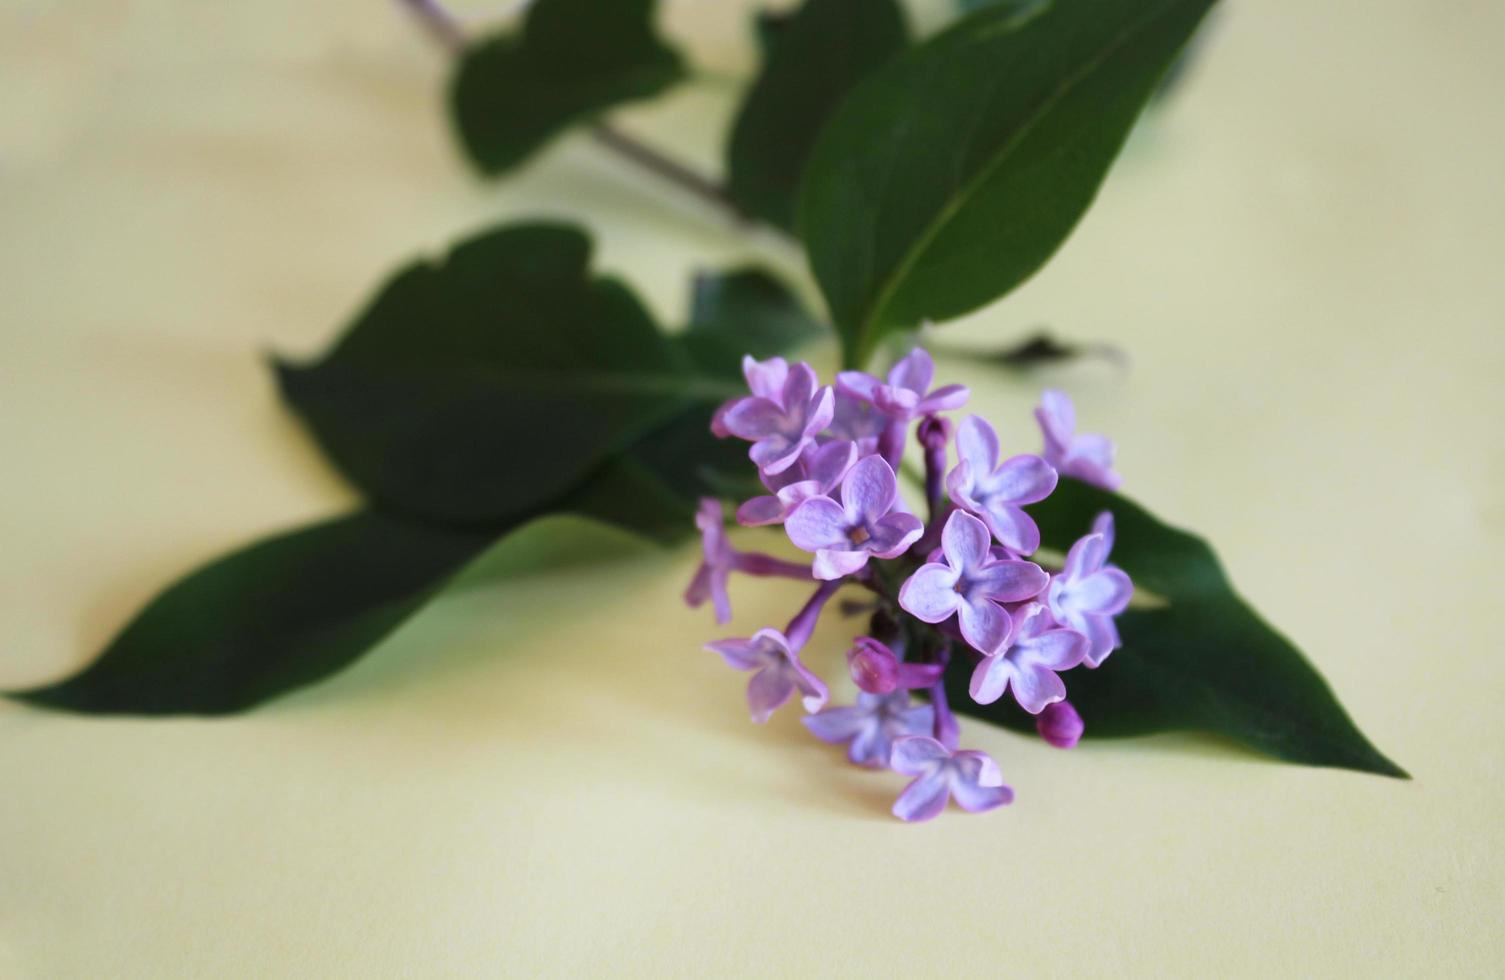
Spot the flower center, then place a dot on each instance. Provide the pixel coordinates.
(858, 534)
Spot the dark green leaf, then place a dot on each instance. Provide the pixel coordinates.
(275, 616)
(950, 176)
(1202, 660)
(812, 59)
(746, 311)
(476, 389)
(574, 60)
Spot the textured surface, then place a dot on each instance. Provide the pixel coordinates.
(1299, 255)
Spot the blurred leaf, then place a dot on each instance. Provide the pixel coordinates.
(1203, 660)
(745, 311)
(812, 58)
(948, 177)
(573, 60)
(475, 389)
(277, 615)
(460, 395)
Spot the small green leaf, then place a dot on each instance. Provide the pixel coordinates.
(812, 59)
(476, 389)
(1201, 660)
(574, 60)
(947, 178)
(278, 615)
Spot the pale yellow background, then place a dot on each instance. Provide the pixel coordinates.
(1302, 256)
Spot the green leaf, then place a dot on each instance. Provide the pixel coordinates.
(1201, 660)
(293, 609)
(275, 616)
(475, 389)
(812, 59)
(574, 60)
(947, 178)
(413, 381)
(746, 311)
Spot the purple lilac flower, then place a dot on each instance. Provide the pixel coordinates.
(1088, 592)
(870, 726)
(779, 672)
(940, 774)
(1089, 458)
(865, 524)
(815, 475)
(1060, 725)
(907, 394)
(716, 566)
(1028, 665)
(854, 420)
(765, 379)
(780, 428)
(971, 584)
(995, 492)
(878, 670)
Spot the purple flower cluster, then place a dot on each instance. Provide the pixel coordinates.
(961, 582)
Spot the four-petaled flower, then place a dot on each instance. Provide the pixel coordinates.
(779, 672)
(940, 774)
(907, 394)
(844, 535)
(765, 379)
(878, 670)
(780, 428)
(716, 565)
(870, 726)
(1089, 592)
(1089, 457)
(1029, 663)
(971, 584)
(854, 420)
(994, 491)
(816, 474)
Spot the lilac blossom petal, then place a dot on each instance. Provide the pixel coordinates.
(1103, 524)
(1028, 666)
(709, 581)
(977, 785)
(870, 726)
(972, 584)
(906, 394)
(1089, 592)
(739, 654)
(985, 624)
(930, 593)
(843, 536)
(779, 672)
(767, 692)
(831, 564)
(996, 492)
(923, 799)
(781, 429)
(918, 756)
(1087, 457)
(765, 379)
(971, 777)
(855, 421)
(819, 522)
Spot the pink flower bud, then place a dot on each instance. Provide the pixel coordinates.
(1060, 725)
